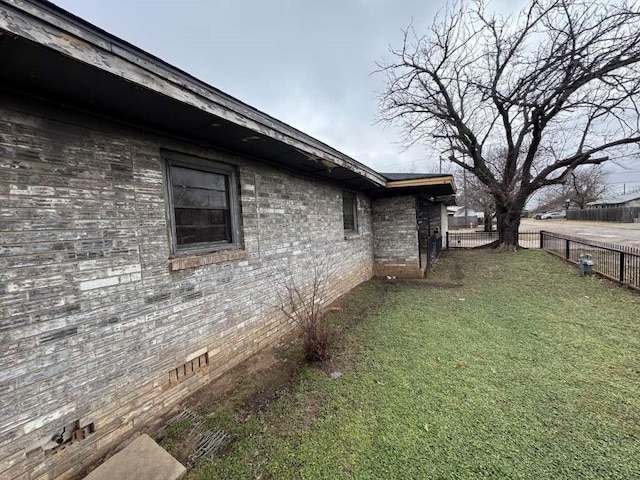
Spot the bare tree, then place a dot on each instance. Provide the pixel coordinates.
(553, 87)
(585, 184)
(479, 198)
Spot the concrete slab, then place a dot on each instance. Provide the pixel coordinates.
(142, 459)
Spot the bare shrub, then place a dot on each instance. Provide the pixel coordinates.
(301, 299)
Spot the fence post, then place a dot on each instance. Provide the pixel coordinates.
(566, 250)
(621, 267)
(447, 242)
(541, 239)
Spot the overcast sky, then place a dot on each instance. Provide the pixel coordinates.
(307, 63)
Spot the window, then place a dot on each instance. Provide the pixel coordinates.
(350, 212)
(203, 202)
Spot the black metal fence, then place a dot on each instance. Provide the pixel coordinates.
(528, 239)
(620, 263)
(612, 214)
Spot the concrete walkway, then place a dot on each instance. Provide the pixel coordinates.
(142, 459)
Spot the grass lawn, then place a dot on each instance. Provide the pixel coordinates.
(497, 366)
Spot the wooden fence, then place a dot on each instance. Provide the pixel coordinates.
(612, 214)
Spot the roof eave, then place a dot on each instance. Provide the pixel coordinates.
(53, 27)
(423, 182)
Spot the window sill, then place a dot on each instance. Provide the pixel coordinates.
(194, 261)
(351, 236)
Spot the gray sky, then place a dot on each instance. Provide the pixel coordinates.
(307, 63)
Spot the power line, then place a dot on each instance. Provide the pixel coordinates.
(404, 163)
(624, 172)
(624, 183)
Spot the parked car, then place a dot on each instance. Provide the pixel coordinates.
(552, 215)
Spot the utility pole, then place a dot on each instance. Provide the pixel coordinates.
(464, 176)
(466, 203)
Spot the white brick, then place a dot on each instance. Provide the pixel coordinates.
(124, 270)
(196, 354)
(99, 283)
(48, 418)
(31, 190)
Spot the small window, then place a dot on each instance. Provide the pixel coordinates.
(350, 212)
(203, 203)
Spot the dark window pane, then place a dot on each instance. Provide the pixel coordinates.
(198, 197)
(202, 226)
(349, 211)
(349, 223)
(187, 235)
(201, 206)
(188, 177)
(192, 216)
(347, 203)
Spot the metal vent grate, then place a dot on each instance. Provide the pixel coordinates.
(206, 441)
(209, 442)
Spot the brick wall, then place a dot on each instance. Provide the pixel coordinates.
(395, 236)
(93, 320)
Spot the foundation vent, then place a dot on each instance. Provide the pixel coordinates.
(66, 436)
(190, 367)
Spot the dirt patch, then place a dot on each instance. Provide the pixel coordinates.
(268, 369)
(277, 383)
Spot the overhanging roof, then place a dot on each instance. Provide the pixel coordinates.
(422, 181)
(396, 177)
(436, 185)
(47, 52)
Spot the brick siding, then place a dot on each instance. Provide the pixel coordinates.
(94, 314)
(395, 237)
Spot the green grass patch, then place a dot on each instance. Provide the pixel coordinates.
(497, 366)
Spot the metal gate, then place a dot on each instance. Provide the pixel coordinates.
(528, 239)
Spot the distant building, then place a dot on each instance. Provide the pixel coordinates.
(461, 217)
(628, 200)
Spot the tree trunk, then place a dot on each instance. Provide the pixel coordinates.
(488, 220)
(508, 217)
